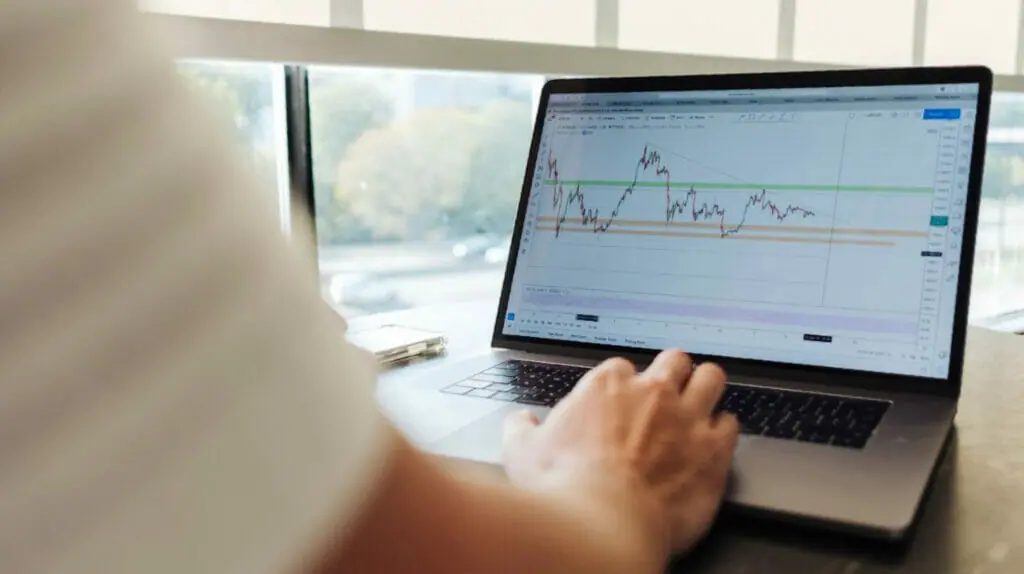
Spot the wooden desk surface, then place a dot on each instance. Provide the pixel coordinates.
(973, 518)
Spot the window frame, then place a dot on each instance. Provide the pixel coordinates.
(204, 38)
(196, 38)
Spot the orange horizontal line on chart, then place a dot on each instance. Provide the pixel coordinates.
(747, 227)
(781, 239)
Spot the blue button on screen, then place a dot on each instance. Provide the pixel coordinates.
(942, 114)
(511, 316)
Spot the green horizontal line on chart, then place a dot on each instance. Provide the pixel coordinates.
(741, 186)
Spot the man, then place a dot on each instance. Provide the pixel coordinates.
(175, 399)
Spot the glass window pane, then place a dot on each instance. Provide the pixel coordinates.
(864, 32)
(308, 12)
(417, 177)
(973, 32)
(543, 21)
(245, 93)
(723, 27)
(998, 285)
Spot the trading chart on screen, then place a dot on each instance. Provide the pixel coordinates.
(814, 226)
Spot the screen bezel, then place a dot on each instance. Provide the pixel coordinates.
(950, 386)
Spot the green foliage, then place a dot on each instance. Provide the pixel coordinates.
(497, 169)
(436, 174)
(340, 113)
(399, 181)
(217, 88)
(243, 94)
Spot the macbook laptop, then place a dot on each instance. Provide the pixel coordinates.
(811, 232)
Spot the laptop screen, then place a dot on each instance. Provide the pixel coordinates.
(814, 226)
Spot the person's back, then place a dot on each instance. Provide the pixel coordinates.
(177, 399)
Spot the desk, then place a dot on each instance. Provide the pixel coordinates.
(973, 518)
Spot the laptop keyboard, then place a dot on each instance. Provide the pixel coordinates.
(773, 413)
(806, 417)
(523, 382)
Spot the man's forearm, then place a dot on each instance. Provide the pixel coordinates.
(422, 520)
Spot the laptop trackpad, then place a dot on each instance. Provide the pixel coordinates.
(481, 440)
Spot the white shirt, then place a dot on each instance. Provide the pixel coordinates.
(174, 395)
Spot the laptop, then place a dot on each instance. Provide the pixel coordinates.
(812, 232)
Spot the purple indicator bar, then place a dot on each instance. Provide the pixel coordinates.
(665, 308)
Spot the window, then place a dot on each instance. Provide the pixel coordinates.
(308, 12)
(746, 28)
(417, 173)
(417, 177)
(543, 21)
(999, 257)
(868, 32)
(973, 32)
(251, 99)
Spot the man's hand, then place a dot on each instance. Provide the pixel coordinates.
(654, 433)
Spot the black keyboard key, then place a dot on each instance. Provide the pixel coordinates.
(870, 418)
(749, 430)
(771, 400)
(786, 418)
(826, 429)
(522, 382)
(757, 420)
(746, 411)
(529, 401)
(500, 387)
(828, 406)
(787, 403)
(814, 437)
(542, 394)
(726, 401)
(814, 418)
(846, 411)
(808, 404)
(859, 429)
(781, 431)
(774, 418)
(800, 426)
